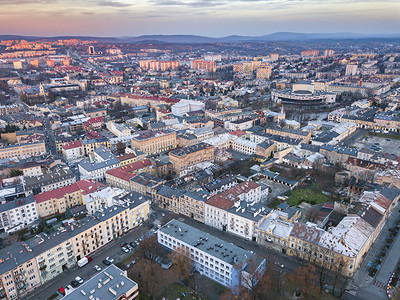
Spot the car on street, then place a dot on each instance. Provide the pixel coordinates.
(133, 244)
(125, 249)
(162, 214)
(129, 247)
(279, 264)
(74, 283)
(106, 262)
(111, 260)
(150, 226)
(97, 268)
(124, 244)
(79, 280)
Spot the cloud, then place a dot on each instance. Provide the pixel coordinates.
(25, 2)
(113, 4)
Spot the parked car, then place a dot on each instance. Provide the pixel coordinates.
(79, 280)
(111, 260)
(150, 226)
(133, 244)
(74, 283)
(106, 262)
(97, 268)
(129, 247)
(124, 244)
(125, 249)
(279, 264)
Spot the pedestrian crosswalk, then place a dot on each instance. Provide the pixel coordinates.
(380, 284)
(351, 289)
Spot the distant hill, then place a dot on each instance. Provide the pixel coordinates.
(197, 39)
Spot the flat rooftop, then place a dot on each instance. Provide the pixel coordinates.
(213, 246)
(110, 283)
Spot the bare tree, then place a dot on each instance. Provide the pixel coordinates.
(149, 249)
(181, 262)
(305, 278)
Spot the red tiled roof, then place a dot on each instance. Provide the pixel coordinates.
(86, 186)
(238, 133)
(128, 171)
(220, 202)
(72, 145)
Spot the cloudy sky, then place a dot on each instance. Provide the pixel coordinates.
(201, 17)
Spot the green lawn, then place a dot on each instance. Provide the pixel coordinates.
(387, 136)
(311, 195)
(176, 290)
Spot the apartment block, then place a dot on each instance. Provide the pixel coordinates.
(191, 204)
(23, 150)
(119, 286)
(57, 201)
(184, 160)
(16, 214)
(57, 177)
(120, 177)
(220, 261)
(152, 142)
(146, 184)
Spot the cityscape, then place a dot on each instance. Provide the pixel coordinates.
(166, 157)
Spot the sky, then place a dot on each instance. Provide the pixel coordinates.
(214, 18)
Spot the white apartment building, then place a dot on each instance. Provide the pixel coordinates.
(101, 199)
(17, 214)
(184, 106)
(73, 151)
(216, 212)
(119, 130)
(245, 217)
(56, 258)
(244, 146)
(220, 261)
(98, 164)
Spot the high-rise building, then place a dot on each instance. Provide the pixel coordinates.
(274, 56)
(264, 71)
(328, 52)
(351, 69)
(91, 50)
(209, 66)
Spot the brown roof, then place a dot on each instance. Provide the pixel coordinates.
(220, 202)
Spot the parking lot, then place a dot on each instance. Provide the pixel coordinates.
(387, 145)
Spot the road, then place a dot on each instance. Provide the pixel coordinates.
(50, 141)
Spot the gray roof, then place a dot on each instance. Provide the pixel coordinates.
(206, 242)
(169, 192)
(21, 252)
(219, 183)
(16, 203)
(250, 211)
(198, 194)
(56, 175)
(112, 278)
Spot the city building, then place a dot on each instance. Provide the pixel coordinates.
(184, 160)
(153, 142)
(214, 258)
(17, 214)
(58, 200)
(57, 177)
(191, 204)
(110, 283)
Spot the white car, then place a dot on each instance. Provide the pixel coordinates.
(279, 264)
(125, 249)
(79, 280)
(97, 268)
(111, 260)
